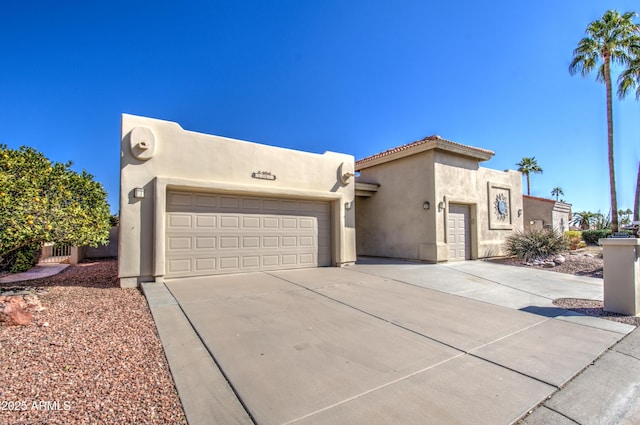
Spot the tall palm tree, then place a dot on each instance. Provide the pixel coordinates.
(557, 191)
(527, 166)
(608, 40)
(636, 204)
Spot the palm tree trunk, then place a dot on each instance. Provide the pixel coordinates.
(636, 205)
(528, 186)
(612, 177)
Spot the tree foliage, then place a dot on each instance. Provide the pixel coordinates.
(557, 191)
(527, 166)
(613, 39)
(44, 201)
(583, 219)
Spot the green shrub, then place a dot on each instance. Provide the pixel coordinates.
(569, 234)
(21, 259)
(535, 243)
(575, 239)
(591, 236)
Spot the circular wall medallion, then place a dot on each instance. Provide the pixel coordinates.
(501, 207)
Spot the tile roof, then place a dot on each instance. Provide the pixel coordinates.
(429, 142)
(553, 201)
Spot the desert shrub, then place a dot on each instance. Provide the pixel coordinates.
(591, 236)
(21, 259)
(575, 239)
(535, 243)
(573, 234)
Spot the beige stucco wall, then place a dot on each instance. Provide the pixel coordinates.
(393, 223)
(546, 212)
(193, 161)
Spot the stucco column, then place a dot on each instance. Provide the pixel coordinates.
(621, 275)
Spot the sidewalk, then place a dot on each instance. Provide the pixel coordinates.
(607, 392)
(38, 272)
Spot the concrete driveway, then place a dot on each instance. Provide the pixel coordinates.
(379, 342)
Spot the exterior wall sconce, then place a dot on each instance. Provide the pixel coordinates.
(426, 205)
(519, 212)
(345, 173)
(138, 193)
(441, 206)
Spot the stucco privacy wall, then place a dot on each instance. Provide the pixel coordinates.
(159, 155)
(393, 222)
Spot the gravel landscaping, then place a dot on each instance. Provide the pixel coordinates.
(92, 356)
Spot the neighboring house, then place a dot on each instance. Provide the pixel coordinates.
(193, 204)
(430, 200)
(546, 213)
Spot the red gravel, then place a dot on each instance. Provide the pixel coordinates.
(91, 357)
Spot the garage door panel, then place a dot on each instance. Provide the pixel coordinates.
(206, 201)
(251, 203)
(213, 234)
(204, 264)
(179, 221)
(229, 222)
(206, 242)
(179, 243)
(229, 242)
(229, 202)
(179, 265)
(206, 221)
(250, 222)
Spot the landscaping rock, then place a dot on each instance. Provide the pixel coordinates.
(13, 311)
(548, 264)
(589, 255)
(559, 259)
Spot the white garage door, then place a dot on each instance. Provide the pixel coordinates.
(458, 232)
(215, 234)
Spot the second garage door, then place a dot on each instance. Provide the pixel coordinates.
(458, 232)
(214, 234)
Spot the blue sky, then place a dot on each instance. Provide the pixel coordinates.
(357, 77)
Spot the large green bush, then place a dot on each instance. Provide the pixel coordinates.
(591, 236)
(535, 243)
(21, 259)
(45, 201)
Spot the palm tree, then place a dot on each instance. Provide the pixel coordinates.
(636, 205)
(557, 191)
(629, 78)
(584, 219)
(608, 40)
(624, 216)
(527, 166)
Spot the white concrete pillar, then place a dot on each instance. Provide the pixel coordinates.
(621, 275)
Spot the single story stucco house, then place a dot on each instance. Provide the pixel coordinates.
(430, 200)
(193, 204)
(546, 213)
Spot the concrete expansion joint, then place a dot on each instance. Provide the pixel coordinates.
(369, 314)
(502, 284)
(372, 390)
(461, 351)
(626, 354)
(563, 415)
(215, 360)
